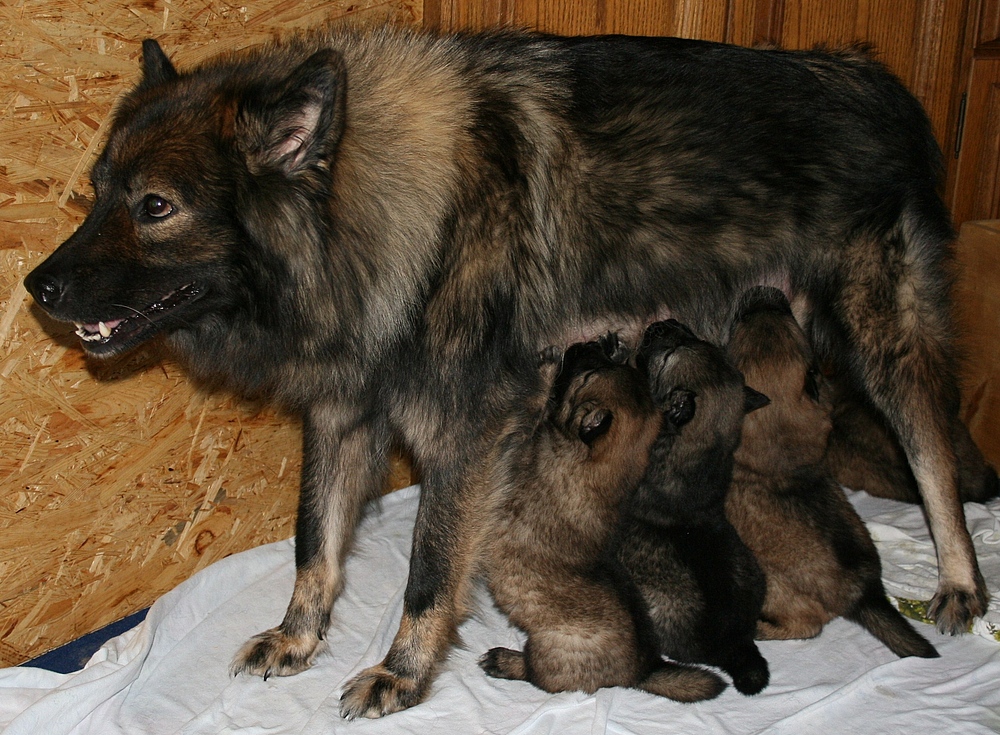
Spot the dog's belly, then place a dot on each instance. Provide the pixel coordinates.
(630, 327)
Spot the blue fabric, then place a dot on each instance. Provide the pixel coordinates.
(73, 655)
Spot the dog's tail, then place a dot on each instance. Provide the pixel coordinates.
(683, 683)
(875, 613)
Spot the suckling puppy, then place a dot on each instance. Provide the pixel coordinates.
(549, 566)
(818, 557)
(701, 585)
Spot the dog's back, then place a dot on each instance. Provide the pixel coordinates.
(817, 555)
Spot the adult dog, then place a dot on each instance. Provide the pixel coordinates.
(381, 229)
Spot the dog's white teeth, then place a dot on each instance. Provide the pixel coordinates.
(104, 329)
(86, 336)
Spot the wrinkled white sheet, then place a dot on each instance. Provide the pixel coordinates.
(170, 674)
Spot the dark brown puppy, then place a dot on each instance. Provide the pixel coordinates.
(818, 557)
(701, 584)
(548, 564)
(380, 229)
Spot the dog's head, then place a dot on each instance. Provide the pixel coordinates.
(175, 226)
(773, 352)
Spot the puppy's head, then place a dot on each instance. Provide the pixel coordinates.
(600, 405)
(770, 348)
(689, 376)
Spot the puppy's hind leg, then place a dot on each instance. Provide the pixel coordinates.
(683, 683)
(341, 470)
(875, 613)
(504, 663)
(748, 668)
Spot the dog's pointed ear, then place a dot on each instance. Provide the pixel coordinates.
(298, 125)
(752, 399)
(156, 67)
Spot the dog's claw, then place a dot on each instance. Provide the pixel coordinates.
(273, 653)
(953, 610)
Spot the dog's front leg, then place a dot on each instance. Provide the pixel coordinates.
(451, 522)
(344, 466)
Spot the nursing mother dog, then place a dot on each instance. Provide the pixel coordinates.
(381, 229)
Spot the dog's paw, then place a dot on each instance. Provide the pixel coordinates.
(953, 609)
(504, 663)
(274, 653)
(376, 692)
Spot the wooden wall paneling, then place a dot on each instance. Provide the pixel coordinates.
(975, 164)
(976, 193)
(920, 40)
(754, 22)
(987, 22)
(687, 18)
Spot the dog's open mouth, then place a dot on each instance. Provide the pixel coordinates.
(114, 335)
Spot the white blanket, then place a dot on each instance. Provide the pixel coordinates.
(170, 674)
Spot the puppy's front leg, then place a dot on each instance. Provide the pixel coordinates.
(343, 466)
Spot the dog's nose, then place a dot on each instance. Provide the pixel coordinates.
(47, 290)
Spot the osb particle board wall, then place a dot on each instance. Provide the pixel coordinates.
(117, 481)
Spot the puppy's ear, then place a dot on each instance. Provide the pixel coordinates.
(595, 424)
(297, 124)
(156, 67)
(752, 399)
(680, 406)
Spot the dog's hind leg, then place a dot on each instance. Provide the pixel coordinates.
(504, 663)
(683, 683)
(875, 613)
(893, 308)
(340, 473)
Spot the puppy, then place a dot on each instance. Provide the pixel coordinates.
(701, 585)
(817, 555)
(549, 566)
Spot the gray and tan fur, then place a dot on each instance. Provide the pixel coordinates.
(816, 553)
(699, 581)
(548, 563)
(381, 229)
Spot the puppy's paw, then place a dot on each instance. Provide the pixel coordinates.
(273, 653)
(376, 692)
(504, 663)
(952, 609)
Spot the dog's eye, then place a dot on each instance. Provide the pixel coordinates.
(156, 206)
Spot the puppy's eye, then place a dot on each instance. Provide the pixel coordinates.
(595, 424)
(156, 207)
(811, 386)
(680, 407)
